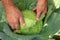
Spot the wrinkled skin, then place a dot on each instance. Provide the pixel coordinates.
(14, 15)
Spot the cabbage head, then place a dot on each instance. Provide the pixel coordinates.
(32, 26)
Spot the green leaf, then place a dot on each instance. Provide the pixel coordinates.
(51, 8)
(3, 36)
(2, 16)
(25, 4)
(52, 25)
(2, 13)
(1, 28)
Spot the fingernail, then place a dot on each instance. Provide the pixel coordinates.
(23, 24)
(37, 18)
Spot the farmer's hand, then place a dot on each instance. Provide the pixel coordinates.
(41, 7)
(14, 16)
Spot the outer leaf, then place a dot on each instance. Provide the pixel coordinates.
(2, 13)
(3, 36)
(25, 4)
(0, 10)
(53, 24)
(51, 8)
(2, 17)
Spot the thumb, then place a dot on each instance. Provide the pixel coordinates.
(21, 20)
(38, 14)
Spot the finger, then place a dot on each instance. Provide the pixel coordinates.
(38, 14)
(22, 20)
(12, 25)
(16, 25)
(34, 9)
(45, 10)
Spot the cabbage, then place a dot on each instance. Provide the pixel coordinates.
(32, 26)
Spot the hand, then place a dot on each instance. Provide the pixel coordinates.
(14, 16)
(41, 7)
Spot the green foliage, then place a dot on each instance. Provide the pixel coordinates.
(25, 4)
(50, 27)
